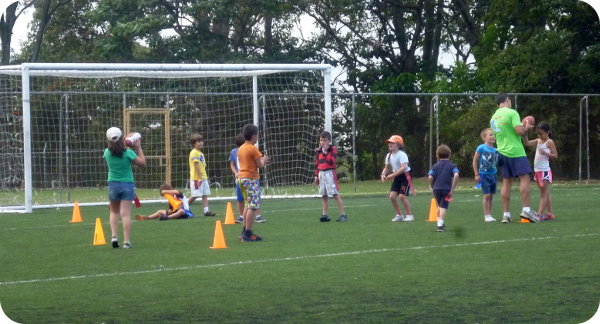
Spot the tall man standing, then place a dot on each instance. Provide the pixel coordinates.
(508, 129)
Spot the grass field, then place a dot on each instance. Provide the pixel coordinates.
(366, 270)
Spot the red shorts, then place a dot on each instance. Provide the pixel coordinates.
(540, 176)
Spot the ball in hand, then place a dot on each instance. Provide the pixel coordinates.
(528, 120)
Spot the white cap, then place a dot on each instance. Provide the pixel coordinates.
(113, 134)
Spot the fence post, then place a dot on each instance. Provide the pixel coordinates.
(354, 140)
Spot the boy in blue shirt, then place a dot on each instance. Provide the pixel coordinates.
(484, 168)
(443, 178)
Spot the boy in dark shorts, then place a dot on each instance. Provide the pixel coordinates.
(443, 178)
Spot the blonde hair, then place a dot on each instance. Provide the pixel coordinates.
(484, 131)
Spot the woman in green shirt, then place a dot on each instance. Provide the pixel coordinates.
(120, 181)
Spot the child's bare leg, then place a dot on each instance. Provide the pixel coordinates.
(157, 214)
(505, 193)
(191, 200)
(394, 200)
(441, 213)
(406, 204)
(487, 204)
(249, 214)
(241, 207)
(177, 214)
(548, 198)
(325, 205)
(205, 201)
(114, 207)
(340, 204)
(543, 199)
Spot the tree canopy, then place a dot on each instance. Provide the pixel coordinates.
(385, 46)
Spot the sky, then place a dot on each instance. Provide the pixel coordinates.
(21, 26)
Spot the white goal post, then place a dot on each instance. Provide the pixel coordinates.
(54, 118)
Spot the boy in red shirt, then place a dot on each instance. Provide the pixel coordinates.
(326, 177)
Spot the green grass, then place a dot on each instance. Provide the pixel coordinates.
(366, 270)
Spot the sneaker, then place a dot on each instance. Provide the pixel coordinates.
(251, 238)
(342, 218)
(441, 228)
(141, 218)
(548, 217)
(127, 245)
(409, 218)
(506, 219)
(489, 219)
(209, 213)
(115, 242)
(240, 219)
(324, 219)
(398, 218)
(259, 219)
(531, 216)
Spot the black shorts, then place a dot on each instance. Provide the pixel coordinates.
(440, 197)
(400, 185)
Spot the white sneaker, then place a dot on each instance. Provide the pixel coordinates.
(398, 218)
(409, 218)
(506, 219)
(490, 219)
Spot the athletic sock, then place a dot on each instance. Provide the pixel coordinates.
(206, 209)
(507, 214)
(526, 209)
(440, 222)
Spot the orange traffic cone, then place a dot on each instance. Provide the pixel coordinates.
(525, 220)
(76, 218)
(174, 202)
(433, 211)
(219, 240)
(99, 233)
(229, 219)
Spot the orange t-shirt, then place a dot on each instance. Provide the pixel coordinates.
(247, 155)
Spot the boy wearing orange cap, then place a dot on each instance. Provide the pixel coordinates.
(397, 170)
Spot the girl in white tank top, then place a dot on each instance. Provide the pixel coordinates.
(544, 151)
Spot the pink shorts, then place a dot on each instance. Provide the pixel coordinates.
(540, 176)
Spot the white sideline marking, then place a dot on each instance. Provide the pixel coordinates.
(304, 257)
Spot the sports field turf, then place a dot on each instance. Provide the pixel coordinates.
(366, 270)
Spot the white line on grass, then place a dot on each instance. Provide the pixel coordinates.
(296, 258)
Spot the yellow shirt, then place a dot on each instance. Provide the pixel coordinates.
(247, 155)
(197, 157)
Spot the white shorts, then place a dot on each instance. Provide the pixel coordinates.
(203, 190)
(328, 183)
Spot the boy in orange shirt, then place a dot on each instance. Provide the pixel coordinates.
(250, 160)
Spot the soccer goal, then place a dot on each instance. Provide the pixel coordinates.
(55, 115)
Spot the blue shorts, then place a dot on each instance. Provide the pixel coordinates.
(440, 198)
(488, 183)
(513, 167)
(120, 191)
(238, 190)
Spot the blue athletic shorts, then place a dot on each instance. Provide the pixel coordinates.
(513, 167)
(120, 191)
(238, 191)
(488, 183)
(440, 197)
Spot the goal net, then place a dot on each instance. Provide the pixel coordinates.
(55, 116)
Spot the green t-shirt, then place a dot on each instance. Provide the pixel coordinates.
(119, 168)
(503, 124)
